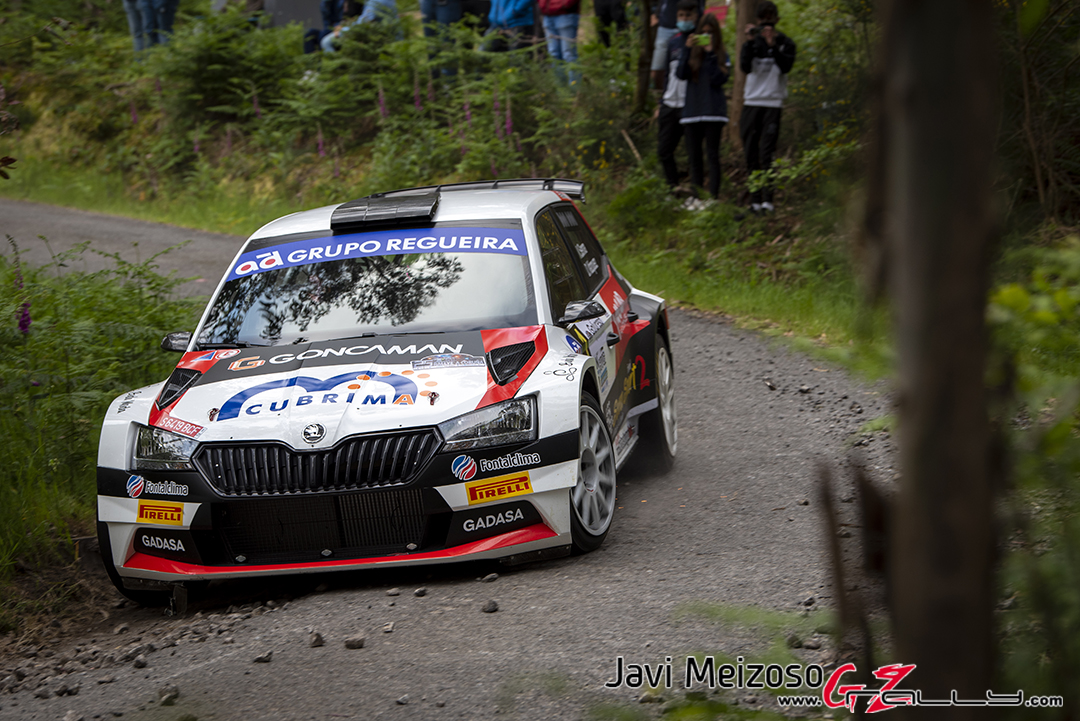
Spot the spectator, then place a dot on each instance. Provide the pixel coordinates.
(374, 11)
(674, 97)
(439, 12)
(438, 16)
(477, 13)
(608, 13)
(332, 14)
(767, 57)
(162, 14)
(665, 18)
(511, 24)
(135, 24)
(703, 64)
(560, 18)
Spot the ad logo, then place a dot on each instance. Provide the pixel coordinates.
(261, 261)
(574, 345)
(245, 363)
(405, 393)
(496, 489)
(463, 467)
(135, 486)
(161, 513)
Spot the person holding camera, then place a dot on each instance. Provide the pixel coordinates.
(704, 65)
(767, 57)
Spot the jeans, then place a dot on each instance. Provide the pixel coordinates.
(331, 14)
(659, 55)
(760, 130)
(158, 16)
(442, 12)
(561, 31)
(135, 24)
(710, 133)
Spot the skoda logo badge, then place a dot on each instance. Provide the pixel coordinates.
(314, 433)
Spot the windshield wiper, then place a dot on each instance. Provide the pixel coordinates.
(234, 344)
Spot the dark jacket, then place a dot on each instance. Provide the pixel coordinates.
(705, 101)
(510, 13)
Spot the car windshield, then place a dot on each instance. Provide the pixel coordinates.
(475, 278)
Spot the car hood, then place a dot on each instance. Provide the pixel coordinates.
(338, 388)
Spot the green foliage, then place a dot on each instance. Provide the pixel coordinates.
(69, 343)
(1037, 331)
(837, 145)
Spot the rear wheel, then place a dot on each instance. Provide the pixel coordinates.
(592, 500)
(660, 427)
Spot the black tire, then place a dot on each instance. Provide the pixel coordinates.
(150, 599)
(592, 500)
(660, 426)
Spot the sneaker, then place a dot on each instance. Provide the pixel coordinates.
(768, 207)
(755, 208)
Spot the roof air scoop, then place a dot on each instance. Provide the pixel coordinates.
(381, 210)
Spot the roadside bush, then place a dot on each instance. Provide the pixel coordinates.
(69, 343)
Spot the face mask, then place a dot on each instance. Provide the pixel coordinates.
(686, 25)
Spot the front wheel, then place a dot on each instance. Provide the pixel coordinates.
(592, 500)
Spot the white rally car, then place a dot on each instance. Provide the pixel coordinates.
(422, 376)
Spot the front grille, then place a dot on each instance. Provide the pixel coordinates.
(260, 469)
(314, 528)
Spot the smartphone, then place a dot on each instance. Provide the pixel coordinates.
(703, 40)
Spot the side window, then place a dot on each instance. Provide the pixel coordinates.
(582, 245)
(564, 283)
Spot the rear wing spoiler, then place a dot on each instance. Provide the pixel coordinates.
(412, 205)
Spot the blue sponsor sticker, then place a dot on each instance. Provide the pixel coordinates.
(572, 342)
(504, 241)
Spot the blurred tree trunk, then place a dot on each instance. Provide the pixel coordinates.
(939, 101)
(648, 36)
(744, 15)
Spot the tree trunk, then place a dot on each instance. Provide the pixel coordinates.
(744, 15)
(939, 94)
(647, 35)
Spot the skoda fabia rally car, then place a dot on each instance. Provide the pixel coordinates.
(422, 376)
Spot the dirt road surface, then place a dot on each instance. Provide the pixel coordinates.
(735, 525)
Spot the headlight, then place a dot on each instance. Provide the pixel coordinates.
(510, 422)
(158, 450)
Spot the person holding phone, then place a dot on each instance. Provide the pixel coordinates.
(767, 57)
(705, 67)
(669, 112)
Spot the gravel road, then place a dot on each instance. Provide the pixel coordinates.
(735, 524)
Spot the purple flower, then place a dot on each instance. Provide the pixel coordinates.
(35, 383)
(509, 119)
(255, 104)
(382, 104)
(322, 152)
(498, 125)
(134, 114)
(196, 146)
(24, 318)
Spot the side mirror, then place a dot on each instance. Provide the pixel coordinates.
(579, 310)
(176, 341)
